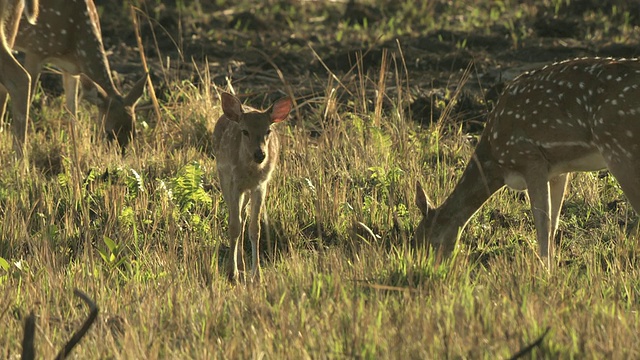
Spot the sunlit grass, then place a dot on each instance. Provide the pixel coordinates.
(146, 236)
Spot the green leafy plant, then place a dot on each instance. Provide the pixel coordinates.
(113, 256)
(187, 190)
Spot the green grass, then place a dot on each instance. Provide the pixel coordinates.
(145, 236)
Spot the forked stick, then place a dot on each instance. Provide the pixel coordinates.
(77, 336)
(28, 349)
(525, 351)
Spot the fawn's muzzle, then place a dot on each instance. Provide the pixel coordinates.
(259, 156)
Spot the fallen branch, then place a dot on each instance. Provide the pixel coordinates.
(75, 339)
(28, 349)
(531, 346)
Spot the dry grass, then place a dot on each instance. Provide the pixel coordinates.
(145, 237)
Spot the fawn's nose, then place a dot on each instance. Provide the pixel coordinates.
(259, 156)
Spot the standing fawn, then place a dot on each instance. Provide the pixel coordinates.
(14, 79)
(246, 150)
(575, 115)
(68, 36)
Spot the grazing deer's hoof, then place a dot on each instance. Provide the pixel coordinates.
(233, 278)
(233, 275)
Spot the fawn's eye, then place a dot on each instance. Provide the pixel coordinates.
(245, 133)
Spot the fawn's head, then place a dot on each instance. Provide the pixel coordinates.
(255, 125)
(431, 232)
(116, 112)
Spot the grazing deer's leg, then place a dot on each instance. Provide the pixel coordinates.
(3, 103)
(257, 198)
(70, 83)
(539, 196)
(628, 175)
(16, 80)
(557, 187)
(33, 65)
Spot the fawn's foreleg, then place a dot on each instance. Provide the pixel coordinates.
(234, 201)
(257, 199)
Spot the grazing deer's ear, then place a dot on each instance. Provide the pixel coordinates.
(231, 106)
(136, 91)
(422, 201)
(280, 110)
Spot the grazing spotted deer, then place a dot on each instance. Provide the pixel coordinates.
(575, 115)
(68, 36)
(13, 77)
(246, 150)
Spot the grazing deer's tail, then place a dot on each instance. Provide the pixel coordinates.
(31, 10)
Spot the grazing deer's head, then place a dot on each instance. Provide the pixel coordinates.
(117, 112)
(255, 125)
(430, 231)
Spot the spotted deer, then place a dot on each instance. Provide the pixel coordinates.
(13, 77)
(246, 149)
(68, 36)
(574, 115)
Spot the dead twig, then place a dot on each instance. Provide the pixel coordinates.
(527, 350)
(77, 336)
(28, 348)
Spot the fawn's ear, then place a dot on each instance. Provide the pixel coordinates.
(422, 201)
(280, 110)
(231, 106)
